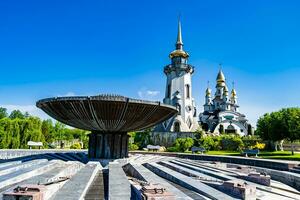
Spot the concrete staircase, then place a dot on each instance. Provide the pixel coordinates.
(296, 169)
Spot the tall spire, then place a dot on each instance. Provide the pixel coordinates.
(179, 42)
(179, 52)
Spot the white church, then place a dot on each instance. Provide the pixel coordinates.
(221, 114)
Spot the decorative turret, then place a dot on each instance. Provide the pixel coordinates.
(225, 94)
(220, 79)
(208, 92)
(233, 96)
(220, 84)
(233, 99)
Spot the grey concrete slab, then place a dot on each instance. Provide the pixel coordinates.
(263, 192)
(77, 186)
(187, 182)
(26, 173)
(119, 186)
(18, 166)
(153, 178)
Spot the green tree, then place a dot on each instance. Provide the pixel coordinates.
(3, 112)
(16, 114)
(291, 118)
(48, 130)
(279, 125)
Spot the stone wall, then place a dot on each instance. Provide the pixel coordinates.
(167, 139)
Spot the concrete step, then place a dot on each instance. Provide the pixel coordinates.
(96, 190)
(3, 165)
(187, 182)
(146, 175)
(297, 167)
(78, 185)
(119, 186)
(261, 192)
(295, 170)
(37, 179)
(26, 173)
(21, 165)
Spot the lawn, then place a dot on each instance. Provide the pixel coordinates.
(282, 155)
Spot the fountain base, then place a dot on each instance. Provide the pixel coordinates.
(108, 145)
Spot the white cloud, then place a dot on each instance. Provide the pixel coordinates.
(31, 109)
(148, 94)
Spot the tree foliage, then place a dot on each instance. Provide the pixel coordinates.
(3, 112)
(283, 124)
(17, 114)
(19, 128)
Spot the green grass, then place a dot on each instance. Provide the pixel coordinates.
(281, 155)
(224, 153)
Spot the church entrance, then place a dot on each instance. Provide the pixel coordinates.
(230, 129)
(176, 127)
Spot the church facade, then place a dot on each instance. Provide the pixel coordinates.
(221, 112)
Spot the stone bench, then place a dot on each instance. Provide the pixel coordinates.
(197, 149)
(249, 152)
(153, 148)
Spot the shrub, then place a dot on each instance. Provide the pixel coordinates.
(133, 147)
(259, 146)
(208, 143)
(184, 144)
(172, 149)
(231, 142)
(250, 141)
(75, 146)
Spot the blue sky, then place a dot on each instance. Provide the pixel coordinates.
(54, 48)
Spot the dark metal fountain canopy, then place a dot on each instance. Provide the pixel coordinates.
(107, 113)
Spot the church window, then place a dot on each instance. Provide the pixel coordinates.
(187, 88)
(189, 123)
(176, 127)
(178, 108)
(169, 91)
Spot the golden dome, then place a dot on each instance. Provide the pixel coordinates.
(225, 88)
(179, 53)
(208, 92)
(220, 77)
(233, 93)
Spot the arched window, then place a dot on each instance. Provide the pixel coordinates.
(176, 127)
(169, 91)
(178, 106)
(188, 91)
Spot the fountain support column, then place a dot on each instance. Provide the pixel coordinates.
(108, 145)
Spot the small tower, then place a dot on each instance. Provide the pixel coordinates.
(208, 101)
(179, 89)
(220, 84)
(218, 99)
(233, 99)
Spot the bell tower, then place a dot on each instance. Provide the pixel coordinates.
(179, 89)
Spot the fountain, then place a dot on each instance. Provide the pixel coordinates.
(108, 117)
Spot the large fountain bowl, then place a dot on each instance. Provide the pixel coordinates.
(106, 113)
